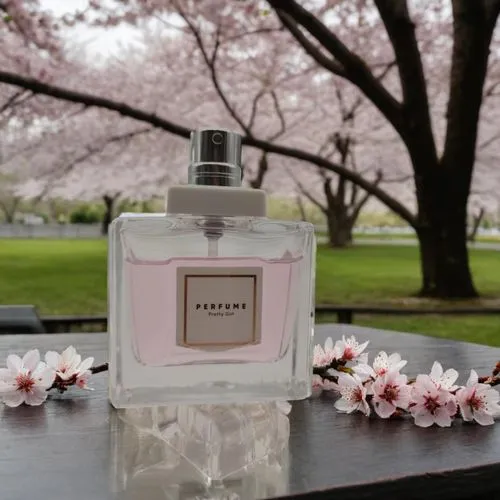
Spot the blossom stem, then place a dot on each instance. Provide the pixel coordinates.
(99, 368)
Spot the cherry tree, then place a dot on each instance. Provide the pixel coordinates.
(440, 55)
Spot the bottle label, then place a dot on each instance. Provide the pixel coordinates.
(219, 307)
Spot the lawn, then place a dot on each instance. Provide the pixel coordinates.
(69, 277)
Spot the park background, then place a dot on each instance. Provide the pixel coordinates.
(376, 121)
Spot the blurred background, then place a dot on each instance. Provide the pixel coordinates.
(377, 121)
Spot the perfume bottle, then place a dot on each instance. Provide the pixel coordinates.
(211, 302)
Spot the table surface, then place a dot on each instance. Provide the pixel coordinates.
(67, 448)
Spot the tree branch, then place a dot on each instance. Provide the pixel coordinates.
(306, 193)
(354, 68)
(211, 64)
(364, 200)
(401, 30)
(161, 123)
(281, 117)
(329, 64)
(91, 151)
(472, 32)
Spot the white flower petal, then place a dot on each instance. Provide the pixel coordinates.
(399, 365)
(394, 358)
(449, 378)
(425, 384)
(344, 406)
(13, 398)
(14, 363)
(436, 371)
(423, 419)
(473, 378)
(404, 397)
(442, 417)
(36, 397)
(52, 358)
(6, 375)
(31, 360)
(362, 347)
(384, 409)
(365, 408)
(483, 418)
(328, 344)
(68, 354)
(45, 377)
(85, 364)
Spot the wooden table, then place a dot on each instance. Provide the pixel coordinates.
(67, 449)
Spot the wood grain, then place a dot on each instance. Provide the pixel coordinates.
(67, 448)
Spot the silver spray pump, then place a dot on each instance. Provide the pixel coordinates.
(215, 158)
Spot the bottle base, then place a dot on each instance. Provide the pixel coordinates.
(214, 393)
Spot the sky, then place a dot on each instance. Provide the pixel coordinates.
(104, 42)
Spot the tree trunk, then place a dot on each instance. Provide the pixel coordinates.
(109, 203)
(339, 229)
(442, 234)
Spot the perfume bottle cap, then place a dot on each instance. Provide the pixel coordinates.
(215, 158)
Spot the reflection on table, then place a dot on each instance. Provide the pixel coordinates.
(200, 451)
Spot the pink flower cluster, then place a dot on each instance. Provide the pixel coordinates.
(380, 387)
(27, 379)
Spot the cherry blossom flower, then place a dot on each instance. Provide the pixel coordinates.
(69, 365)
(384, 363)
(478, 402)
(25, 380)
(444, 380)
(323, 356)
(390, 391)
(381, 365)
(353, 395)
(349, 349)
(431, 403)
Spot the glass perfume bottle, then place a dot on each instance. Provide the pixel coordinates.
(211, 302)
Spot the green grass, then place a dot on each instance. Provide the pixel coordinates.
(406, 236)
(69, 277)
(58, 276)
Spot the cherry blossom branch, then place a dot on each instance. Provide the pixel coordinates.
(99, 368)
(353, 66)
(381, 388)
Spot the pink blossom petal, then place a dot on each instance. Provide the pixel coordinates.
(14, 363)
(426, 383)
(442, 417)
(473, 378)
(483, 418)
(344, 406)
(31, 359)
(6, 375)
(492, 396)
(68, 354)
(13, 398)
(52, 358)
(328, 344)
(436, 371)
(404, 397)
(423, 419)
(45, 377)
(449, 378)
(85, 364)
(384, 409)
(365, 408)
(36, 397)
(451, 406)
